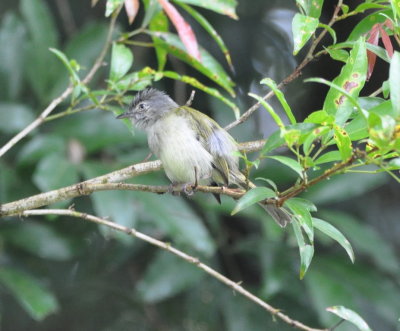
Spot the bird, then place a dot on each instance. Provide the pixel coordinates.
(193, 148)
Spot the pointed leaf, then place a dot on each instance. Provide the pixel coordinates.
(211, 31)
(350, 316)
(131, 8)
(303, 27)
(306, 251)
(251, 197)
(291, 163)
(335, 234)
(185, 31)
(279, 94)
(208, 65)
(268, 107)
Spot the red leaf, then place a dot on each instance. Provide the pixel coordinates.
(386, 41)
(131, 8)
(374, 40)
(185, 31)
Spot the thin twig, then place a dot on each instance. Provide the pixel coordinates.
(188, 258)
(38, 121)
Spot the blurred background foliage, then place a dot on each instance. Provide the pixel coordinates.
(64, 274)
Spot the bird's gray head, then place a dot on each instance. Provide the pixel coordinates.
(148, 106)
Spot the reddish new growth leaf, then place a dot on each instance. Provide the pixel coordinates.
(376, 32)
(131, 8)
(374, 40)
(185, 31)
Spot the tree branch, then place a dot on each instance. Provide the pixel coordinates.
(188, 258)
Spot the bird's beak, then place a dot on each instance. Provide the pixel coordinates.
(124, 115)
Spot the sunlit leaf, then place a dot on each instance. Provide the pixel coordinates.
(303, 27)
(350, 316)
(112, 5)
(351, 79)
(343, 142)
(121, 61)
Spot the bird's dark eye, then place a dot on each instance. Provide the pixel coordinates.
(141, 106)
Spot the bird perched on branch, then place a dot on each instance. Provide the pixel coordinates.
(192, 147)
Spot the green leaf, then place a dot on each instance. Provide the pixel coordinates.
(381, 253)
(34, 298)
(343, 142)
(208, 65)
(274, 141)
(268, 107)
(225, 7)
(331, 156)
(14, 117)
(112, 5)
(338, 54)
(348, 110)
(291, 163)
(272, 85)
(40, 240)
(12, 58)
(159, 22)
(350, 316)
(366, 24)
(211, 31)
(335, 234)
(351, 80)
(152, 8)
(306, 251)
(394, 82)
(166, 276)
(301, 209)
(121, 61)
(319, 117)
(303, 27)
(67, 63)
(251, 197)
(53, 172)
